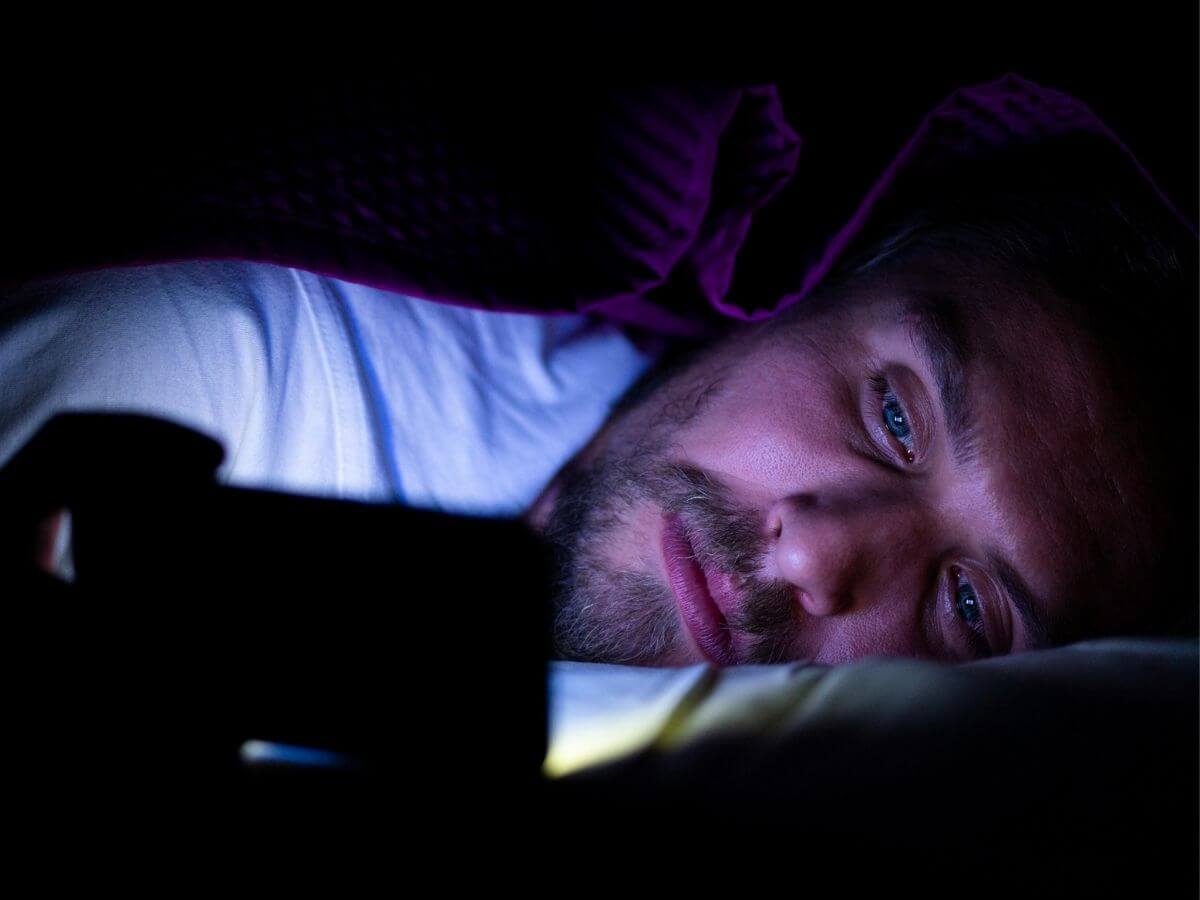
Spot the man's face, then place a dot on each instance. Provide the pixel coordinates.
(929, 465)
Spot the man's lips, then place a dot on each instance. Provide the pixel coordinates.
(699, 611)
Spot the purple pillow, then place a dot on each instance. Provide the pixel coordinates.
(639, 204)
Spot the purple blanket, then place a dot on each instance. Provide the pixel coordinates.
(643, 204)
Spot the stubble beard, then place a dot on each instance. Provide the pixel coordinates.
(604, 613)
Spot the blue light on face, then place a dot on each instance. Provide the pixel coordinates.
(270, 753)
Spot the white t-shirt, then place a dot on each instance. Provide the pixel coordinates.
(316, 385)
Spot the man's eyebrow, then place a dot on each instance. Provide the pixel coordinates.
(940, 335)
(1038, 627)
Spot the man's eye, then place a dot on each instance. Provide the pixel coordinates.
(969, 607)
(966, 602)
(894, 416)
(895, 420)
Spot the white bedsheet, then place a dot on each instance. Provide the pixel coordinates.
(315, 385)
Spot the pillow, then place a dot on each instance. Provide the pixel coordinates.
(1090, 747)
(601, 713)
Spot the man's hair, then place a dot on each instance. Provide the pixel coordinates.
(1126, 266)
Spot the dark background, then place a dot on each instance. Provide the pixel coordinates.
(856, 78)
(84, 91)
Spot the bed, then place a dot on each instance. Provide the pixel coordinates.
(197, 654)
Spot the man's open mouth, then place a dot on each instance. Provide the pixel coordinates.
(693, 596)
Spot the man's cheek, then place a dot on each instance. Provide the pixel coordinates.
(773, 444)
(881, 631)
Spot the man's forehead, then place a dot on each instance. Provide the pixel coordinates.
(1049, 465)
(1051, 432)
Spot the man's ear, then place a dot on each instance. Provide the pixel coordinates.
(538, 515)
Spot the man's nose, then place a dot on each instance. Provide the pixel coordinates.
(839, 552)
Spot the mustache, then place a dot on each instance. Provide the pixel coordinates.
(730, 538)
(723, 534)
